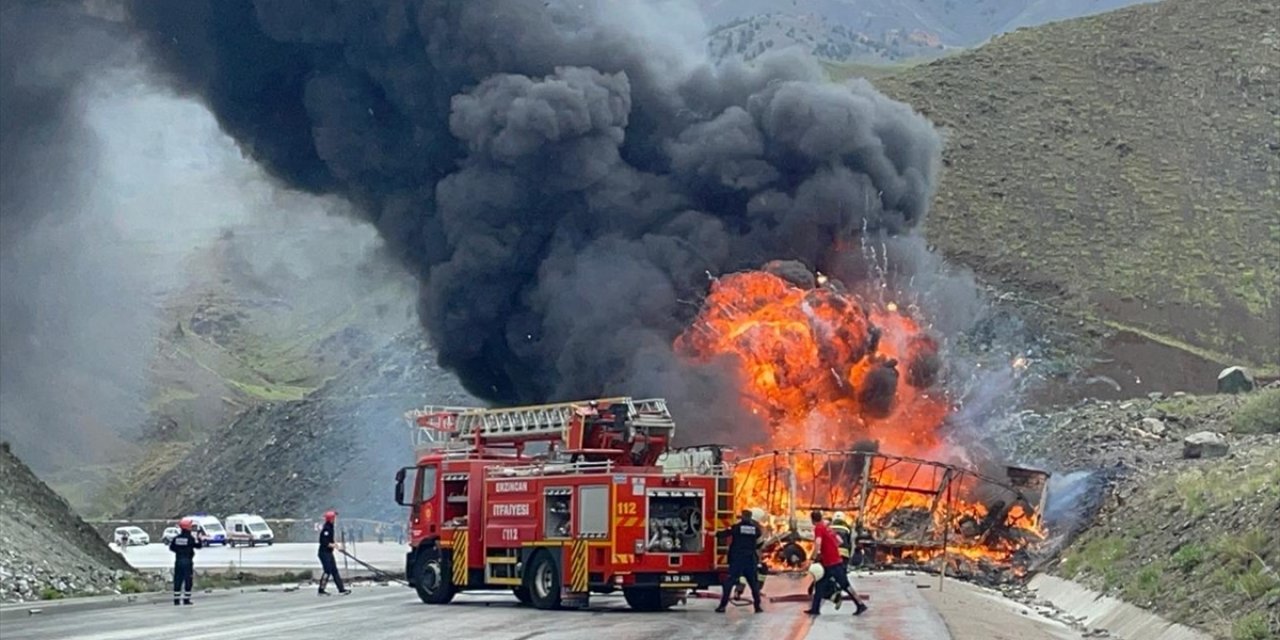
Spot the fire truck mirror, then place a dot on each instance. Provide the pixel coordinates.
(400, 488)
(400, 476)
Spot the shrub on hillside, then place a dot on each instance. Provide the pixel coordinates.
(1259, 414)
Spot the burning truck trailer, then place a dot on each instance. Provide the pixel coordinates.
(904, 512)
(851, 391)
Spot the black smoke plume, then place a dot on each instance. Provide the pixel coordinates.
(562, 176)
(54, 305)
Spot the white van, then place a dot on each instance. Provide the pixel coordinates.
(211, 528)
(134, 535)
(250, 529)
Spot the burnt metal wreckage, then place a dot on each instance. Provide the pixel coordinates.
(904, 512)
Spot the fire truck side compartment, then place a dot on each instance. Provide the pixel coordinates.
(675, 521)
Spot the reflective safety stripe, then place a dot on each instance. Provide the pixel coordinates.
(578, 582)
(460, 558)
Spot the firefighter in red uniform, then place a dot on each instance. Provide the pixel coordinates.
(827, 551)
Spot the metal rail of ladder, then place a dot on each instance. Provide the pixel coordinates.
(461, 425)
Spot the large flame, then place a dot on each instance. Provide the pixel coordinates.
(821, 367)
(826, 370)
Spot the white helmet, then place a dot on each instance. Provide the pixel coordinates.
(839, 516)
(816, 571)
(757, 514)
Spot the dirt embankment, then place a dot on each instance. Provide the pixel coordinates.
(46, 550)
(1121, 169)
(1193, 539)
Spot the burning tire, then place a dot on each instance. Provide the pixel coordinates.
(543, 581)
(431, 579)
(650, 598)
(792, 555)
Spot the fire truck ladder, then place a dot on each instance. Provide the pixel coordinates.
(453, 427)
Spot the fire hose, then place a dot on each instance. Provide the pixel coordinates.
(385, 575)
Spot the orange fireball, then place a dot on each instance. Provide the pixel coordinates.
(822, 368)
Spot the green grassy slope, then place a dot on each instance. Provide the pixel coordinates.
(244, 331)
(1194, 539)
(1126, 166)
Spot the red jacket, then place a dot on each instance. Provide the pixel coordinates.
(830, 548)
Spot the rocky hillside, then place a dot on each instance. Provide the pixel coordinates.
(748, 38)
(46, 550)
(877, 30)
(1193, 538)
(1122, 169)
(264, 315)
(336, 447)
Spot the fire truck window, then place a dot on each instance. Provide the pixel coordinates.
(593, 510)
(426, 483)
(557, 516)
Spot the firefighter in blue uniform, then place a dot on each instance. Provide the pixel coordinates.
(742, 559)
(327, 562)
(184, 547)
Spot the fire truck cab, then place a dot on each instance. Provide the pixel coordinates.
(556, 502)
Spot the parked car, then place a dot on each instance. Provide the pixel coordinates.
(211, 527)
(169, 534)
(250, 529)
(134, 535)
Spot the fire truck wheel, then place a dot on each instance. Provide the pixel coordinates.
(543, 581)
(433, 583)
(522, 594)
(650, 598)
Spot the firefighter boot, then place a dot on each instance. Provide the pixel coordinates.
(719, 609)
(862, 608)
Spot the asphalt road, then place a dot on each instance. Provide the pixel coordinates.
(898, 612)
(284, 556)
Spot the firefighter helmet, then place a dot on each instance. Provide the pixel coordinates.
(185, 524)
(330, 515)
(816, 570)
(757, 514)
(839, 517)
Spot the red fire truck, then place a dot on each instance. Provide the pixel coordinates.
(556, 502)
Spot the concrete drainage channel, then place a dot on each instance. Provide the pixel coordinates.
(1097, 611)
